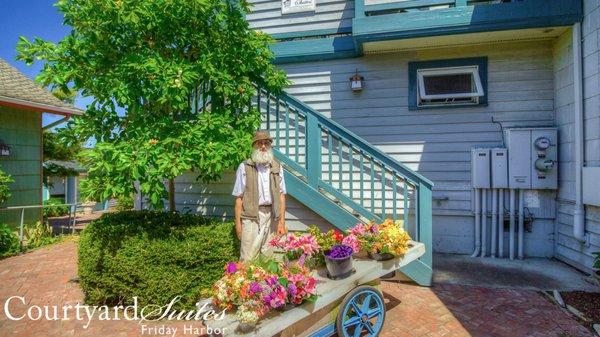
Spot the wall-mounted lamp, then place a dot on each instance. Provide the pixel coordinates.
(356, 82)
(4, 150)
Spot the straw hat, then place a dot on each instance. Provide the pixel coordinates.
(261, 135)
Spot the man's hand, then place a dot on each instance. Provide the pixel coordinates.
(238, 230)
(281, 228)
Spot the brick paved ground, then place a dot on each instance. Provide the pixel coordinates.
(43, 277)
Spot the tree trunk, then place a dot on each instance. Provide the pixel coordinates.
(172, 195)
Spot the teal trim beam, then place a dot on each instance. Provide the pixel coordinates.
(466, 19)
(314, 49)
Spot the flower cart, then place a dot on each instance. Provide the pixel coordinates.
(352, 306)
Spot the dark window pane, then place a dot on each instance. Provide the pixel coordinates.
(448, 84)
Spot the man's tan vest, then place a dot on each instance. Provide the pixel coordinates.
(250, 196)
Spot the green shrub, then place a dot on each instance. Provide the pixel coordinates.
(154, 256)
(38, 234)
(50, 212)
(5, 179)
(125, 203)
(9, 241)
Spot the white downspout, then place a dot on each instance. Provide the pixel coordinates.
(501, 223)
(511, 230)
(477, 224)
(579, 212)
(521, 236)
(494, 221)
(483, 222)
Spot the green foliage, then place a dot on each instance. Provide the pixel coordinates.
(597, 260)
(153, 255)
(5, 179)
(154, 59)
(38, 234)
(125, 203)
(49, 212)
(9, 241)
(56, 147)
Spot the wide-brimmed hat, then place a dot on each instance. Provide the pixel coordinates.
(261, 135)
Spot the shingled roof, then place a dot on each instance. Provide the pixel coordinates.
(17, 90)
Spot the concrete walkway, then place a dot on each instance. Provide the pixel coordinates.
(47, 276)
(530, 273)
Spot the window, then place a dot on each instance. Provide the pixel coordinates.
(457, 82)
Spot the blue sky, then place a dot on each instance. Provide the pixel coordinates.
(30, 18)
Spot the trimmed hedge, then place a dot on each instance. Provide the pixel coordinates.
(154, 256)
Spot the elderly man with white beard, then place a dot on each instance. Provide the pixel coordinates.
(260, 199)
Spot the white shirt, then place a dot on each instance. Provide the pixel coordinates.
(264, 195)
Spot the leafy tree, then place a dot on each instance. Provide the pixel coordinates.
(182, 70)
(55, 148)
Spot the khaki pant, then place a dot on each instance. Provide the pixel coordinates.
(256, 235)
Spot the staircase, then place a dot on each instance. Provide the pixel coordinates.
(343, 178)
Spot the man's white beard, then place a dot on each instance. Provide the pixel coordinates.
(262, 157)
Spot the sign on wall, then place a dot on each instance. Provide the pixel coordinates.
(297, 6)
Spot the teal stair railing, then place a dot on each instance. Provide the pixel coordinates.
(343, 178)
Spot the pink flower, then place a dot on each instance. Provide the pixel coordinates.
(352, 241)
(359, 229)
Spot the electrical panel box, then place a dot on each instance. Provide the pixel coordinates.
(480, 168)
(532, 158)
(499, 168)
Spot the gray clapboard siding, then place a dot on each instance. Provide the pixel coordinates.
(329, 14)
(567, 248)
(215, 200)
(437, 142)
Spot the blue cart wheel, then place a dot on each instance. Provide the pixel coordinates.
(362, 313)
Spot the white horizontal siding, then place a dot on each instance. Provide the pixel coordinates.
(567, 248)
(437, 142)
(329, 14)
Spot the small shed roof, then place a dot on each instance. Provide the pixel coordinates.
(17, 90)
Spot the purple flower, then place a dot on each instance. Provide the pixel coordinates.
(231, 268)
(339, 252)
(292, 290)
(255, 287)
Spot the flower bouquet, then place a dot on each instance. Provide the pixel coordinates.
(384, 241)
(295, 245)
(257, 287)
(338, 260)
(241, 287)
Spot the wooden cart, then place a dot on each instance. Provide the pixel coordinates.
(349, 307)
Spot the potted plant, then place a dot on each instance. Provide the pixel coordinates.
(296, 246)
(338, 260)
(382, 241)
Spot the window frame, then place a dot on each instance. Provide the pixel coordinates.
(478, 67)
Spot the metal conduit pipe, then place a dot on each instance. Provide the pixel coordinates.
(501, 223)
(483, 222)
(477, 224)
(579, 211)
(494, 221)
(511, 229)
(521, 224)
